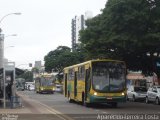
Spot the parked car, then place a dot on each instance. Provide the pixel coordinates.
(28, 84)
(59, 88)
(153, 95)
(136, 93)
(31, 87)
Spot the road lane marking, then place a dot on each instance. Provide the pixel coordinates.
(87, 117)
(53, 111)
(60, 115)
(104, 112)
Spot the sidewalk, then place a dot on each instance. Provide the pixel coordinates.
(31, 110)
(29, 106)
(23, 109)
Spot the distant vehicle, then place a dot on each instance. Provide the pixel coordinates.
(136, 93)
(96, 81)
(27, 84)
(136, 89)
(44, 83)
(31, 87)
(59, 88)
(153, 95)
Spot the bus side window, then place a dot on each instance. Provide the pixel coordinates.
(88, 79)
(65, 83)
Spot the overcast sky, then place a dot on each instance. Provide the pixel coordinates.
(43, 26)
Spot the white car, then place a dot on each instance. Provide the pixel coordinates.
(59, 88)
(153, 95)
(136, 93)
(31, 87)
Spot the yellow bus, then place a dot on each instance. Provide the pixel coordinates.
(96, 81)
(44, 83)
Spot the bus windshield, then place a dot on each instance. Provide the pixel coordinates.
(46, 81)
(108, 76)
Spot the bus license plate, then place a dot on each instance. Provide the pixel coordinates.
(109, 98)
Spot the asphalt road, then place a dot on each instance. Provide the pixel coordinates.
(129, 110)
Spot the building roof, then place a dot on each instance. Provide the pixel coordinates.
(135, 76)
(17, 71)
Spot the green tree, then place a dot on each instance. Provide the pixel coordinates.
(128, 30)
(59, 58)
(35, 70)
(27, 75)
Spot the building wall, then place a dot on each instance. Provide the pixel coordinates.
(78, 23)
(79, 26)
(73, 32)
(38, 64)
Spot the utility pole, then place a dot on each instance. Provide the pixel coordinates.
(2, 57)
(1, 48)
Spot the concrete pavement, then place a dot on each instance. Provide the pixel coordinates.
(32, 109)
(29, 106)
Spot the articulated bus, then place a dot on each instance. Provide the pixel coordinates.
(96, 81)
(44, 83)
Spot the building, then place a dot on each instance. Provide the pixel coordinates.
(78, 23)
(38, 64)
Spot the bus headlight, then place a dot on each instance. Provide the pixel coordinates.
(95, 93)
(41, 88)
(123, 93)
(53, 89)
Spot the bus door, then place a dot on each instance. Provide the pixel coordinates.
(87, 82)
(75, 84)
(65, 83)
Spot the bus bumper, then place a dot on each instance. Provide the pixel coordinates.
(103, 99)
(47, 91)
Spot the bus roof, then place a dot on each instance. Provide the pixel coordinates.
(90, 61)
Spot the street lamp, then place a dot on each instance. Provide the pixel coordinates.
(2, 57)
(29, 65)
(8, 15)
(2, 38)
(8, 47)
(10, 35)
